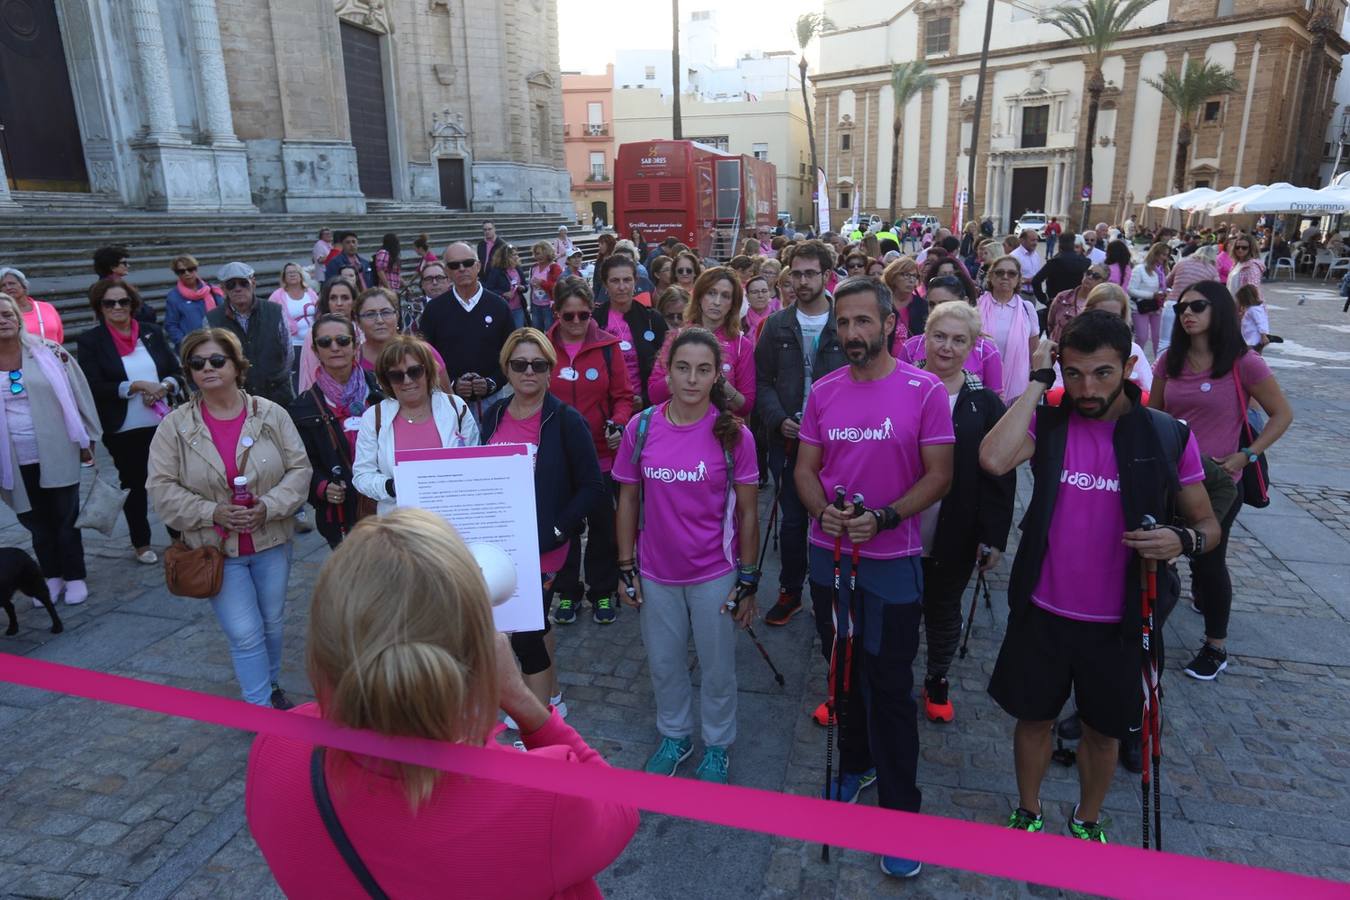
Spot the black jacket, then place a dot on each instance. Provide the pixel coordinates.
(567, 481)
(978, 507)
(1060, 273)
(1148, 443)
(780, 367)
(648, 328)
(327, 448)
(468, 341)
(498, 281)
(267, 347)
(105, 373)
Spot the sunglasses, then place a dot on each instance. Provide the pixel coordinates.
(217, 361)
(1093, 275)
(1004, 273)
(111, 302)
(342, 340)
(16, 381)
(1195, 306)
(538, 366)
(583, 315)
(684, 271)
(185, 270)
(398, 376)
(375, 314)
(453, 264)
(236, 283)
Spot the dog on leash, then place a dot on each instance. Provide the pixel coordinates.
(18, 572)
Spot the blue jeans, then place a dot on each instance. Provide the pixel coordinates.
(541, 317)
(250, 608)
(518, 317)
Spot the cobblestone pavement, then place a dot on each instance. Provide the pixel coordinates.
(100, 801)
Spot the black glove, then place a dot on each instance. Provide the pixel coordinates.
(389, 487)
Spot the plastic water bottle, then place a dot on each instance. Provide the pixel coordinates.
(241, 496)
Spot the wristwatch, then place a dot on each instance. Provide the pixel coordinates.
(557, 534)
(1250, 454)
(1044, 376)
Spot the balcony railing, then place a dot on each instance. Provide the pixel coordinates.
(597, 173)
(586, 129)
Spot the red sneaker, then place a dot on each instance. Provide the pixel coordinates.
(822, 714)
(937, 706)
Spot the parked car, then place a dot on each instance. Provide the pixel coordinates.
(1036, 221)
(930, 223)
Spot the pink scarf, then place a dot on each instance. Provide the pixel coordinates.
(126, 343)
(203, 292)
(1016, 355)
(55, 373)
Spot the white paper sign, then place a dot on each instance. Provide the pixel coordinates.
(486, 494)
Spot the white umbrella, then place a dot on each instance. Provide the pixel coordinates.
(1286, 198)
(1204, 204)
(1223, 205)
(1170, 202)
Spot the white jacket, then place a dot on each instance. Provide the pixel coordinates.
(1143, 283)
(374, 464)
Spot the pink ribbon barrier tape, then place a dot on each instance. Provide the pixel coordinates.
(1110, 870)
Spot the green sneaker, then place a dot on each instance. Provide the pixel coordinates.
(604, 610)
(669, 755)
(1021, 820)
(565, 612)
(714, 766)
(1088, 831)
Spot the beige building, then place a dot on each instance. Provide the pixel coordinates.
(285, 105)
(1035, 105)
(772, 127)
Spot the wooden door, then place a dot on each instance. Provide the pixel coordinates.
(362, 65)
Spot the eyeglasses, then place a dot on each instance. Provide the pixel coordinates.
(16, 381)
(234, 283)
(217, 361)
(1004, 273)
(342, 340)
(398, 376)
(803, 275)
(581, 315)
(1195, 306)
(184, 270)
(1093, 275)
(111, 302)
(453, 264)
(432, 279)
(852, 266)
(372, 315)
(538, 366)
(684, 271)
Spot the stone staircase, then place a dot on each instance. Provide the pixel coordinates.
(54, 245)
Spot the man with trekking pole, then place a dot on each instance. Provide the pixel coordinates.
(1117, 488)
(875, 450)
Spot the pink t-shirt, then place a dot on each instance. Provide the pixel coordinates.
(618, 327)
(44, 321)
(1210, 405)
(574, 349)
(690, 528)
(416, 436)
(870, 433)
(1085, 580)
(738, 366)
(225, 435)
(526, 431)
(983, 362)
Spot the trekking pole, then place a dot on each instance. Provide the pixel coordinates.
(336, 472)
(831, 701)
(980, 582)
(1148, 677)
(778, 676)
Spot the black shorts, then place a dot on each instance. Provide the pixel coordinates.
(529, 647)
(1044, 656)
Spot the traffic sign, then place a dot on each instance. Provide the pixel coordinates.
(1087, 192)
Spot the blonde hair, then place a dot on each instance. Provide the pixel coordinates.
(960, 310)
(1109, 292)
(393, 354)
(229, 345)
(897, 267)
(371, 293)
(545, 247)
(190, 261)
(706, 281)
(527, 336)
(401, 637)
(1157, 254)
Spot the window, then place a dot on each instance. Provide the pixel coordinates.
(803, 168)
(846, 142)
(595, 113)
(761, 151)
(844, 200)
(700, 15)
(1035, 125)
(1203, 182)
(717, 141)
(1326, 150)
(937, 35)
(649, 73)
(597, 166)
(1212, 111)
(1225, 8)
(543, 130)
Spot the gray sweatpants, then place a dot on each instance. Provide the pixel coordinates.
(669, 613)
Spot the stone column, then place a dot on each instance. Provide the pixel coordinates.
(1057, 197)
(6, 201)
(205, 37)
(152, 70)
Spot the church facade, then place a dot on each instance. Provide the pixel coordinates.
(286, 106)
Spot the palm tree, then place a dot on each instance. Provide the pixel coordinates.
(808, 26)
(676, 126)
(1187, 92)
(908, 80)
(1095, 25)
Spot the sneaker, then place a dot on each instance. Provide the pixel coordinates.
(669, 755)
(1087, 831)
(77, 592)
(822, 715)
(302, 523)
(714, 765)
(1132, 752)
(558, 703)
(604, 610)
(1022, 820)
(1206, 666)
(146, 557)
(899, 867)
(937, 706)
(848, 785)
(1071, 729)
(565, 612)
(279, 698)
(788, 605)
(54, 587)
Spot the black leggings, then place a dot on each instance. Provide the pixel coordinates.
(944, 583)
(130, 451)
(51, 521)
(1211, 585)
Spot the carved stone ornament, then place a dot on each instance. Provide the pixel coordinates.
(540, 79)
(444, 72)
(448, 136)
(371, 14)
(845, 121)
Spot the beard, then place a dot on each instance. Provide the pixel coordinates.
(1096, 407)
(870, 351)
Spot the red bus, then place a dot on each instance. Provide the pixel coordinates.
(697, 194)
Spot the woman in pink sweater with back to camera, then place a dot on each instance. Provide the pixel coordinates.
(402, 642)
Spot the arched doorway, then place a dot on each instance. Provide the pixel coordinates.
(39, 133)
